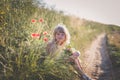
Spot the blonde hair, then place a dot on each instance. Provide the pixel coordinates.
(52, 47)
(62, 29)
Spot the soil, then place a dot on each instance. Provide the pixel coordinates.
(96, 62)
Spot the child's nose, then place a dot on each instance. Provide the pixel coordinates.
(60, 35)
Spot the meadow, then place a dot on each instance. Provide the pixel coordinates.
(21, 54)
(114, 52)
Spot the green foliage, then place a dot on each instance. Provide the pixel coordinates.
(114, 48)
(114, 51)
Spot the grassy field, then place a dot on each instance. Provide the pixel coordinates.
(20, 54)
(114, 51)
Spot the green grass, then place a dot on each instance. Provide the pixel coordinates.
(114, 52)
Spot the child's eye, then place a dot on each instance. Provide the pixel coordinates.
(57, 33)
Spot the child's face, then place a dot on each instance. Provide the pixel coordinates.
(60, 37)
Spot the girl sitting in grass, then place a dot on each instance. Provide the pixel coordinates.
(61, 38)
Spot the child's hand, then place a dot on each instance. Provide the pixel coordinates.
(75, 55)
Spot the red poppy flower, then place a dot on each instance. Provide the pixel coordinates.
(41, 20)
(35, 35)
(45, 39)
(33, 20)
(45, 33)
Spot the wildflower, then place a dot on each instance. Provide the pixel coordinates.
(35, 35)
(33, 20)
(41, 20)
(45, 39)
(45, 33)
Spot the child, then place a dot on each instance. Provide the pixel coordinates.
(61, 38)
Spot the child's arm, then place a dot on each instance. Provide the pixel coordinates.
(77, 61)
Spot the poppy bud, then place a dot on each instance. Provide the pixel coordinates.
(45, 33)
(33, 20)
(41, 20)
(45, 39)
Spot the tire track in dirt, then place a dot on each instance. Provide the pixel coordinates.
(96, 62)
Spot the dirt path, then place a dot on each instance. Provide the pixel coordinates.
(97, 63)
